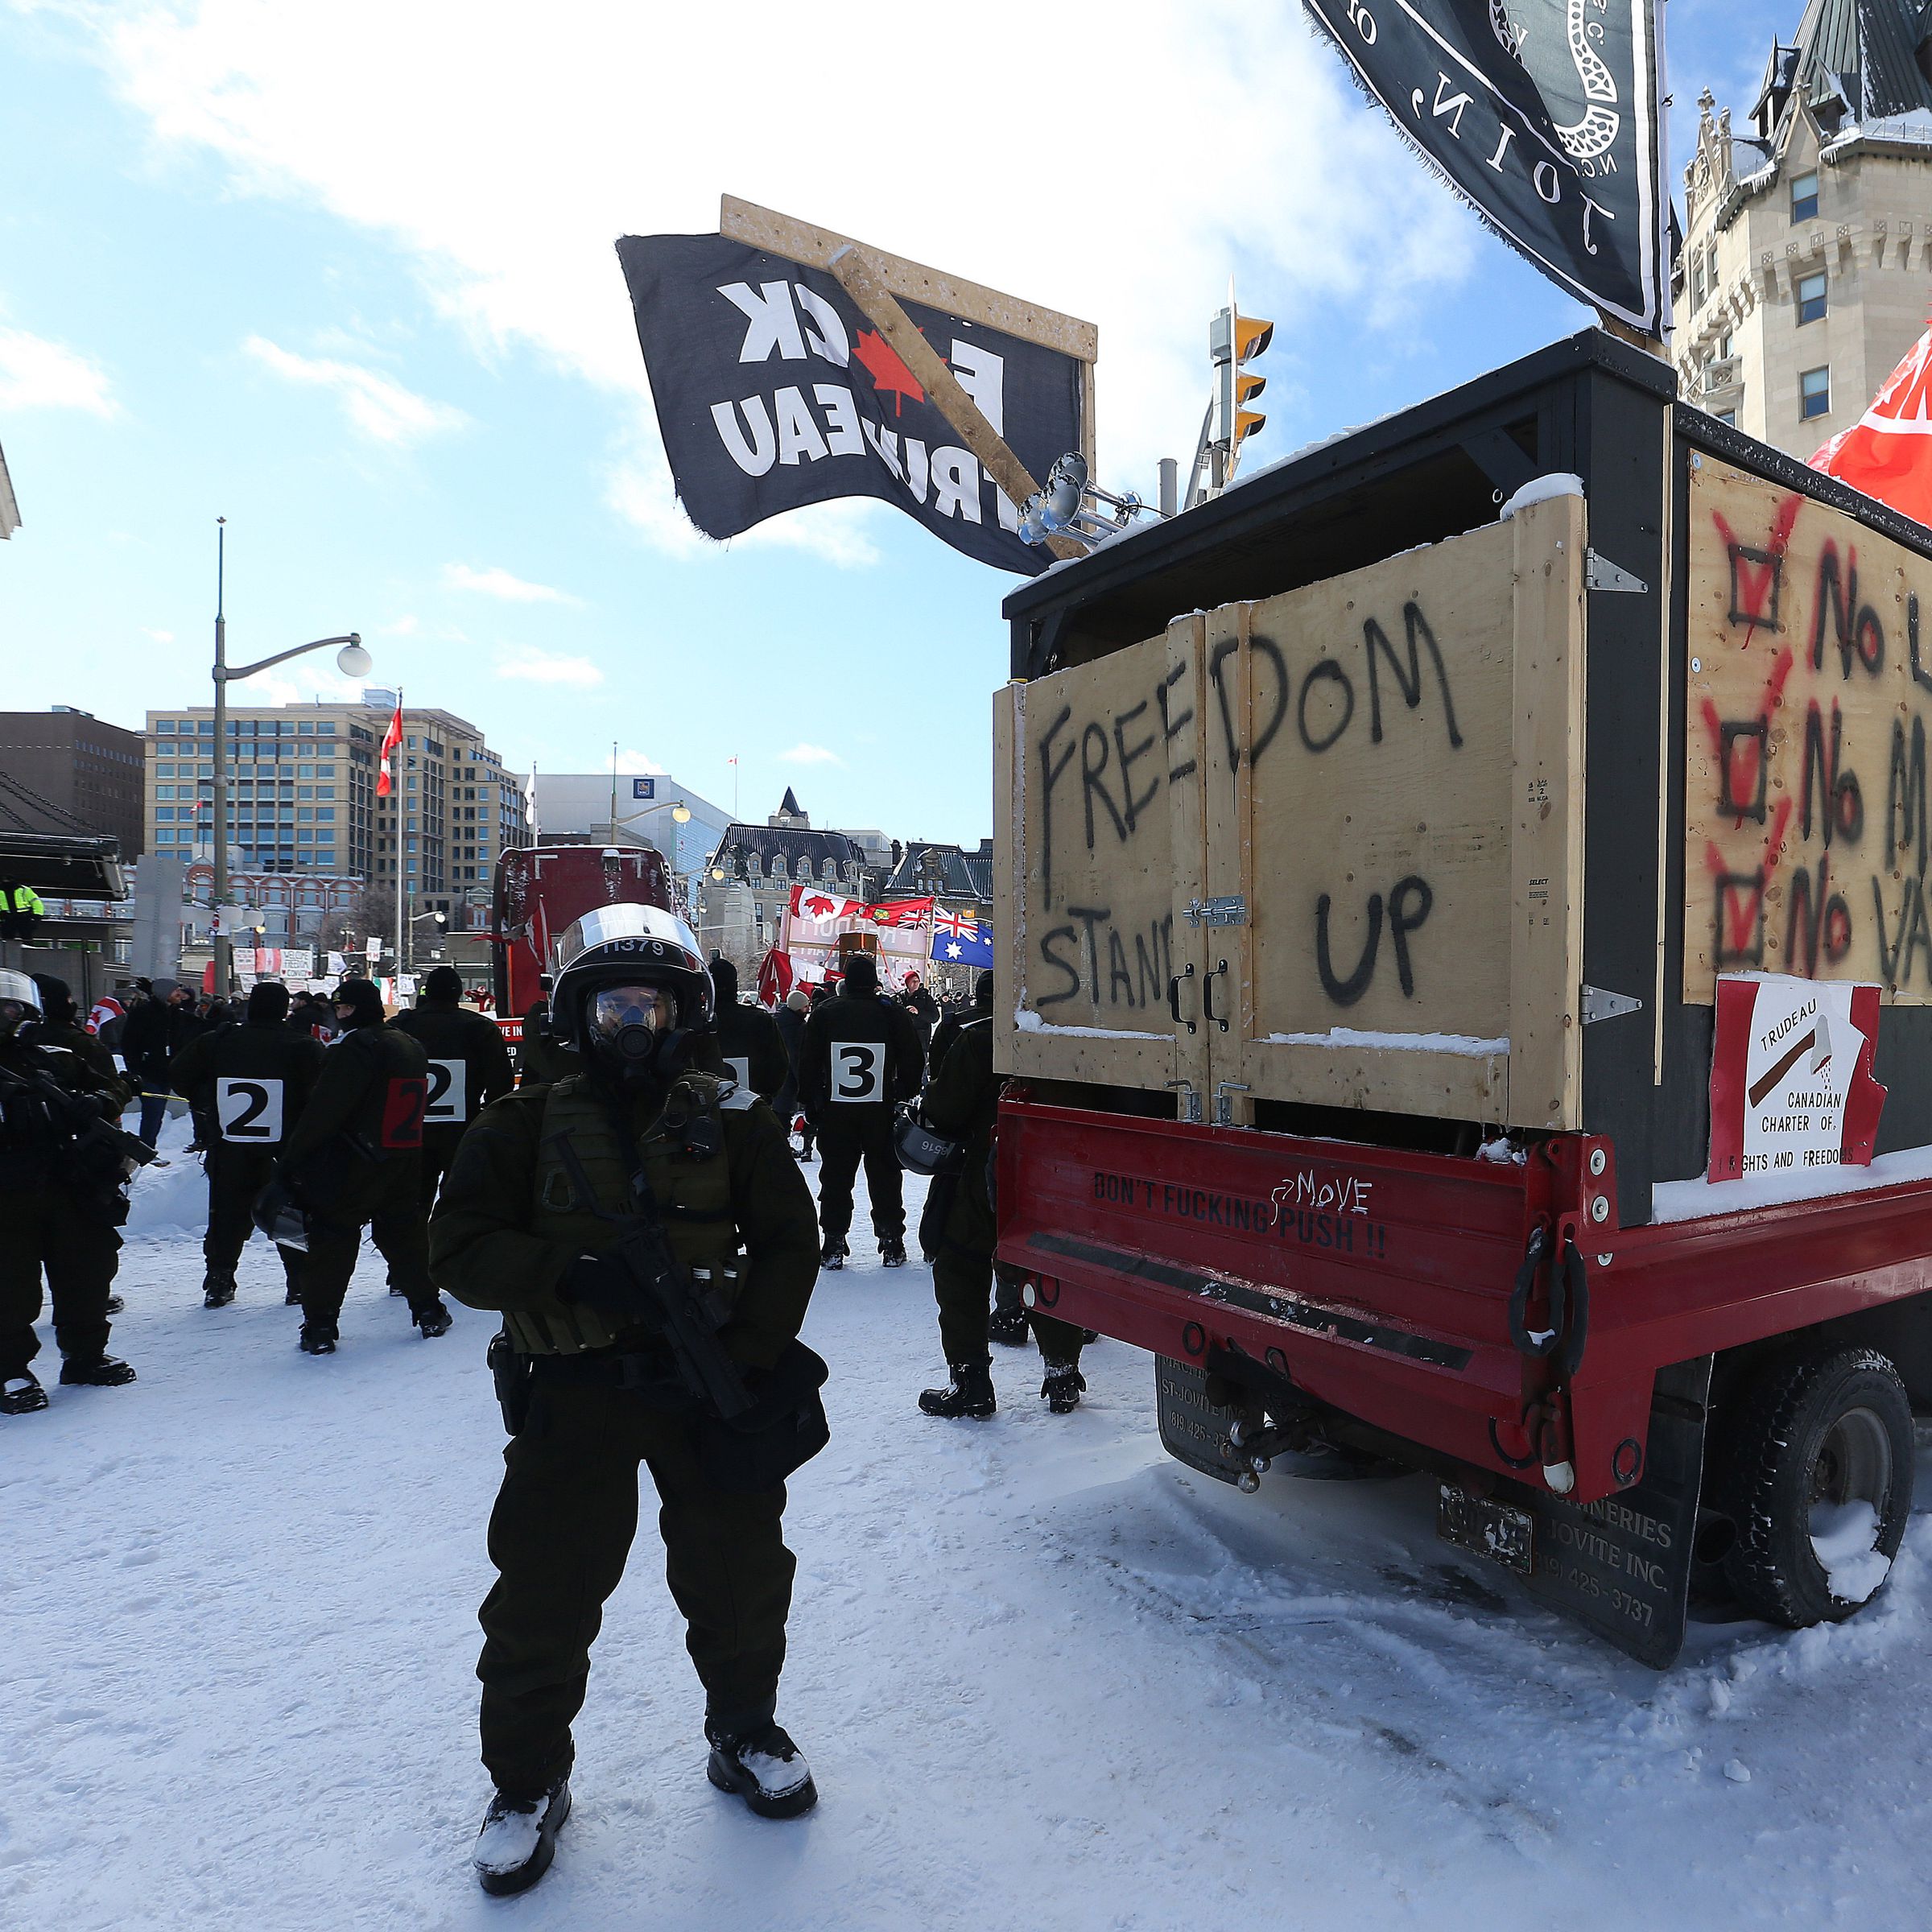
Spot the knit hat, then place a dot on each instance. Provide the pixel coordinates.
(982, 989)
(799, 1000)
(724, 981)
(267, 1003)
(364, 998)
(443, 983)
(56, 1000)
(861, 974)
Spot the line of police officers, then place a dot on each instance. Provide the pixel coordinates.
(654, 1117)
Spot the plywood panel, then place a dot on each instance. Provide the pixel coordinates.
(1808, 700)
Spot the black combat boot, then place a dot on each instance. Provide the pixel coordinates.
(833, 1254)
(293, 1297)
(765, 1768)
(103, 1372)
(217, 1291)
(22, 1394)
(1062, 1387)
(1008, 1327)
(969, 1393)
(115, 1305)
(317, 1341)
(892, 1253)
(433, 1318)
(519, 1839)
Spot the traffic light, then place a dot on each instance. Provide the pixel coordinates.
(1233, 340)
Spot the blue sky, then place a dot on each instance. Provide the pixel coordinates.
(344, 275)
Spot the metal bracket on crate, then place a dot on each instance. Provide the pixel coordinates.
(1599, 1003)
(1231, 909)
(1599, 573)
(1189, 1104)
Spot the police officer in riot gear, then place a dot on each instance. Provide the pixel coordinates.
(62, 1166)
(250, 1083)
(537, 1220)
(749, 1041)
(469, 1067)
(859, 1056)
(354, 1157)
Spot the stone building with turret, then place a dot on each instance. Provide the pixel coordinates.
(1806, 268)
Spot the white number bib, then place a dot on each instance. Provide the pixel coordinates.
(448, 1083)
(249, 1109)
(858, 1071)
(740, 1070)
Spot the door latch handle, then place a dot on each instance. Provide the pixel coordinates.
(1207, 1011)
(1224, 1102)
(1173, 1005)
(1189, 1104)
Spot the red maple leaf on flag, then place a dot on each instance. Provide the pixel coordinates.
(890, 374)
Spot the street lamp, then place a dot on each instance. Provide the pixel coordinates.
(352, 660)
(416, 919)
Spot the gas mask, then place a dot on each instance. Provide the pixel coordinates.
(634, 1029)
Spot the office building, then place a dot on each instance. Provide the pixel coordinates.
(65, 771)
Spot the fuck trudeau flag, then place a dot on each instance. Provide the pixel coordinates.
(774, 390)
(1888, 452)
(1544, 115)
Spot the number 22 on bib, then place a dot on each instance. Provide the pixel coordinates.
(858, 1071)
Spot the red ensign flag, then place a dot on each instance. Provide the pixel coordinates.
(1887, 452)
(391, 739)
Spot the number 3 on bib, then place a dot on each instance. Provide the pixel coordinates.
(858, 1071)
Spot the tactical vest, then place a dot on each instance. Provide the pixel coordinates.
(692, 1192)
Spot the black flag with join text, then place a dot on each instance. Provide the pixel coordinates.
(774, 390)
(1544, 114)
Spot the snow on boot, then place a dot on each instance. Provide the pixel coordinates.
(1062, 1387)
(433, 1318)
(21, 1395)
(765, 1768)
(970, 1392)
(833, 1254)
(115, 1305)
(217, 1291)
(1008, 1327)
(103, 1371)
(519, 1839)
(892, 1254)
(317, 1341)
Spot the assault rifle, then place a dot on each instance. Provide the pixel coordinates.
(670, 1302)
(102, 1151)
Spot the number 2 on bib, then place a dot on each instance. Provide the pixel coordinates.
(249, 1110)
(858, 1071)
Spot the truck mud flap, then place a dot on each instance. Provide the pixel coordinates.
(1622, 1566)
(1194, 1431)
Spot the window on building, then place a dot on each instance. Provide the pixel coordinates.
(1815, 393)
(1804, 196)
(1810, 299)
(1697, 281)
(1711, 268)
(1728, 415)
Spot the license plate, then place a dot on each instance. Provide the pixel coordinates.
(1490, 1528)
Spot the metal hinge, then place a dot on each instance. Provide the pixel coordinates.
(1230, 910)
(1599, 1004)
(1599, 573)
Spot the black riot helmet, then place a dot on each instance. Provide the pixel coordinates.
(630, 988)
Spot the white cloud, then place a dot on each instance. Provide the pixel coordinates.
(495, 582)
(809, 755)
(837, 531)
(160, 637)
(378, 405)
(536, 667)
(404, 626)
(637, 764)
(35, 373)
(504, 162)
(285, 685)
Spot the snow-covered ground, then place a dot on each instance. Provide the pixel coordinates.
(1046, 1678)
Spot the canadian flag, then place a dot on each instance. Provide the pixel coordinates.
(1888, 452)
(391, 739)
(822, 908)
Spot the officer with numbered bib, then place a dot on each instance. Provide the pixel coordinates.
(469, 1067)
(353, 1158)
(749, 1041)
(250, 1083)
(860, 1057)
(648, 1238)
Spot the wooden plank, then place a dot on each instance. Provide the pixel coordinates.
(1008, 862)
(1809, 699)
(1181, 726)
(1228, 811)
(805, 242)
(861, 278)
(1546, 804)
(1095, 869)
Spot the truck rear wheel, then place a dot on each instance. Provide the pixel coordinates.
(1819, 1482)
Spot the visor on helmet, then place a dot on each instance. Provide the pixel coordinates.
(614, 1008)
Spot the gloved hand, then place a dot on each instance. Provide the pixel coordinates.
(601, 1281)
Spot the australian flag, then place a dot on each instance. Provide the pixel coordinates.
(959, 939)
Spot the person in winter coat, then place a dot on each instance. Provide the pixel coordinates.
(249, 1084)
(156, 1030)
(749, 1041)
(791, 1023)
(354, 1157)
(60, 1027)
(861, 1056)
(962, 1105)
(924, 1008)
(469, 1067)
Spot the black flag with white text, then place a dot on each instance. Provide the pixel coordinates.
(1544, 114)
(773, 390)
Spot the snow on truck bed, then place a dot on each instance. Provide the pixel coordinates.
(1046, 1677)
